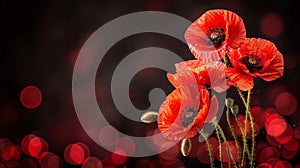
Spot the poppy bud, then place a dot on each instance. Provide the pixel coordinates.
(229, 102)
(149, 117)
(235, 109)
(186, 146)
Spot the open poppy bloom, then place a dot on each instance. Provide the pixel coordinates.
(214, 33)
(255, 58)
(183, 111)
(197, 73)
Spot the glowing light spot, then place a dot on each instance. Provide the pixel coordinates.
(92, 162)
(264, 165)
(31, 97)
(126, 145)
(11, 155)
(268, 153)
(108, 136)
(76, 153)
(258, 114)
(271, 140)
(274, 91)
(34, 146)
(291, 145)
(288, 154)
(279, 164)
(286, 103)
(50, 160)
(118, 157)
(286, 135)
(271, 25)
(275, 125)
(171, 153)
(296, 133)
(286, 164)
(4, 142)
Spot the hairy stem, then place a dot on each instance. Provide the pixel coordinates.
(220, 145)
(209, 147)
(233, 134)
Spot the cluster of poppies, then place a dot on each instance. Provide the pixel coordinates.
(224, 57)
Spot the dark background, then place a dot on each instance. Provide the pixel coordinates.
(40, 40)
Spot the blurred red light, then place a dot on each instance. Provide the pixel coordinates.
(92, 162)
(108, 136)
(11, 155)
(286, 103)
(285, 136)
(127, 145)
(264, 165)
(31, 97)
(268, 153)
(118, 157)
(76, 153)
(275, 125)
(50, 160)
(34, 146)
(271, 25)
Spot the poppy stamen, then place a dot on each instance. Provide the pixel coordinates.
(252, 63)
(189, 116)
(215, 37)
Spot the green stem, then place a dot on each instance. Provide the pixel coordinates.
(252, 128)
(233, 134)
(209, 147)
(226, 143)
(244, 136)
(220, 145)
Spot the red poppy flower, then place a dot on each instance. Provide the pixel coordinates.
(214, 33)
(195, 72)
(183, 111)
(255, 58)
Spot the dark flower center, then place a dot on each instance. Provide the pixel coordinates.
(215, 37)
(189, 117)
(252, 62)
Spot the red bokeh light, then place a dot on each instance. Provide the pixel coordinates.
(4, 142)
(272, 141)
(285, 136)
(92, 162)
(50, 160)
(76, 153)
(297, 132)
(271, 25)
(11, 155)
(171, 153)
(264, 165)
(31, 97)
(126, 145)
(268, 153)
(233, 151)
(118, 157)
(275, 125)
(286, 103)
(108, 136)
(34, 146)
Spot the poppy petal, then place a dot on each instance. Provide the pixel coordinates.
(240, 79)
